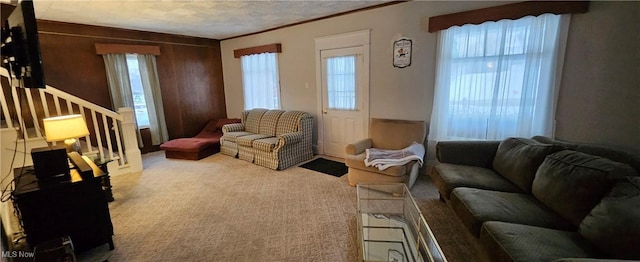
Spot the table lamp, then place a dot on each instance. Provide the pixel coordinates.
(66, 128)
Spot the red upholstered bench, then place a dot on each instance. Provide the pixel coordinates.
(206, 143)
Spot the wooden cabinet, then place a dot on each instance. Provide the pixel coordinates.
(76, 208)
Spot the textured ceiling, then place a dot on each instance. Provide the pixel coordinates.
(202, 18)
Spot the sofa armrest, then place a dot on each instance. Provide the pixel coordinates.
(358, 147)
(289, 138)
(470, 153)
(232, 128)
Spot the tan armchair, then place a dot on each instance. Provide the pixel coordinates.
(385, 134)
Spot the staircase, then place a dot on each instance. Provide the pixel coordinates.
(112, 134)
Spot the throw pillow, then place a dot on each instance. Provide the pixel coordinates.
(518, 159)
(613, 224)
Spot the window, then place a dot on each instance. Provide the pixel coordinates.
(497, 79)
(260, 81)
(133, 82)
(139, 103)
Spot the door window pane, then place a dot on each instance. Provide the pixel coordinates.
(341, 83)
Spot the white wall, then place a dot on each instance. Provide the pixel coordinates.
(599, 91)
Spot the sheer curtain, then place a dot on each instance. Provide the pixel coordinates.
(260, 81)
(119, 85)
(341, 82)
(153, 98)
(498, 79)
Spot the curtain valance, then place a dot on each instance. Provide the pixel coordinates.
(510, 11)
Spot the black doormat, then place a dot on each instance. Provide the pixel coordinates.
(326, 166)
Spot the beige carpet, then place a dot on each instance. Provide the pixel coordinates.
(225, 209)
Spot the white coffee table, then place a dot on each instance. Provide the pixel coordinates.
(391, 226)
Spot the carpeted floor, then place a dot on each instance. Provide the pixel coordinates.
(225, 209)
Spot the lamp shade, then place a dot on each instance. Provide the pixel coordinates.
(64, 127)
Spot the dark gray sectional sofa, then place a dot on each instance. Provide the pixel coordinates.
(541, 199)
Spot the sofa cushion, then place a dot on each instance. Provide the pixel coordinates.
(467, 152)
(449, 176)
(357, 162)
(268, 122)
(289, 122)
(572, 183)
(614, 224)
(265, 144)
(514, 242)
(252, 122)
(517, 159)
(626, 157)
(248, 139)
(233, 136)
(476, 206)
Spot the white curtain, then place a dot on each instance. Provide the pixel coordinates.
(153, 98)
(497, 79)
(260, 81)
(341, 82)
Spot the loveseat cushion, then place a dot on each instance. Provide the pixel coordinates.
(614, 224)
(446, 177)
(517, 159)
(514, 242)
(476, 206)
(572, 183)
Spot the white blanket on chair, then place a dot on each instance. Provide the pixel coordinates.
(383, 159)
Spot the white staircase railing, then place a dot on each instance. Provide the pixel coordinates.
(112, 136)
(109, 138)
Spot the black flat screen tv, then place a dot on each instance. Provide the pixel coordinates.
(22, 52)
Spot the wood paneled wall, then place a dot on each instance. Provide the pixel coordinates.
(189, 70)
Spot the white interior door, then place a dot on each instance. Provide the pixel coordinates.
(343, 98)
